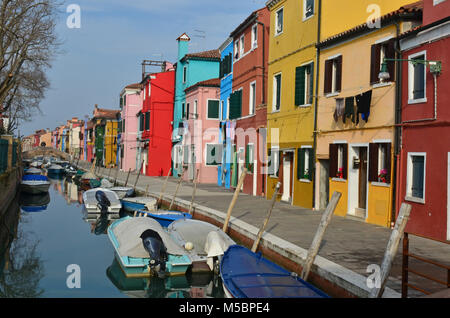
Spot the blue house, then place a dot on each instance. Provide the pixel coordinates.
(226, 85)
(191, 68)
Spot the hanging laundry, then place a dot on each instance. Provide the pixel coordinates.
(363, 102)
(349, 109)
(339, 111)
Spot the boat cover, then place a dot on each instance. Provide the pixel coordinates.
(249, 275)
(197, 232)
(128, 234)
(34, 177)
(88, 175)
(33, 171)
(150, 203)
(55, 167)
(89, 196)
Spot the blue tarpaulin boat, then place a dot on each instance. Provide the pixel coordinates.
(249, 275)
(34, 184)
(165, 218)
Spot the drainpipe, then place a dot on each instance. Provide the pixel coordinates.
(263, 61)
(319, 17)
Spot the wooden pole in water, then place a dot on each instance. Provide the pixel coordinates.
(263, 227)
(163, 189)
(146, 190)
(137, 177)
(115, 178)
(314, 249)
(193, 192)
(233, 201)
(391, 251)
(176, 190)
(128, 175)
(109, 173)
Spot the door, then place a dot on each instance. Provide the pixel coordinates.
(287, 176)
(362, 179)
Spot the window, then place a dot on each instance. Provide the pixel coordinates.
(141, 121)
(279, 22)
(415, 180)
(254, 36)
(338, 160)
(228, 108)
(249, 157)
(276, 103)
(222, 105)
(273, 162)
(305, 163)
(213, 109)
(147, 121)
(241, 46)
(304, 84)
(187, 111)
(123, 125)
(236, 50)
(380, 162)
(213, 154)
(252, 101)
(195, 114)
(184, 74)
(333, 75)
(308, 9)
(417, 79)
(380, 51)
(225, 65)
(183, 111)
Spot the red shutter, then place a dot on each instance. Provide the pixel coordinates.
(339, 73)
(373, 162)
(333, 160)
(375, 64)
(328, 75)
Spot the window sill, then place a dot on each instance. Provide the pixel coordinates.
(417, 101)
(304, 106)
(413, 199)
(305, 180)
(307, 18)
(275, 111)
(278, 34)
(339, 179)
(332, 94)
(381, 184)
(273, 177)
(378, 85)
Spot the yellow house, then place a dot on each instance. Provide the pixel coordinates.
(357, 116)
(291, 103)
(106, 129)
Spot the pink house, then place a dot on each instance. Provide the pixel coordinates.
(202, 150)
(130, 104)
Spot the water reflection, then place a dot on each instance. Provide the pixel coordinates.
(185, 286)
(34, 202)
(21, 269)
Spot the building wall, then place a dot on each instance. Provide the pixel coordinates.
(434, 10)
(132, 106)
(110, 146)
(429, 218)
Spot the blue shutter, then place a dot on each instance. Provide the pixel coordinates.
(418, 176)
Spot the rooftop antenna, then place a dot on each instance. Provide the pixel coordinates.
(147, 63)
(199, 34)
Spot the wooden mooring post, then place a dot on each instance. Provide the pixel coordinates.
(193, 192)
(137, 177)
(266, 221)
(315, 245)
(176, 190)
(128, 175)
(391, 251)
(233, 201)
(163, 189)
(115, 178)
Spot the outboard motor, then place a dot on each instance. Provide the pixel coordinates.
(103, 201)
(154, 246)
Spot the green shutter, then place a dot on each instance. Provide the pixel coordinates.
(300, 85)
(311, 164)
(213, 109)
(235, 104)
(311, 83)
(300, 163)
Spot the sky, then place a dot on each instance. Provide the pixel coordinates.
(105, 54)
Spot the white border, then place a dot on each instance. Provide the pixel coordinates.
(408, 196)
(411, 79)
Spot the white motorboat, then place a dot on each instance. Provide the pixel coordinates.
(122, 192)
(92, 204)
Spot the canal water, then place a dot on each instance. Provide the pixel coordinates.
(46, 240)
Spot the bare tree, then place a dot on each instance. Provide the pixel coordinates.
(28, 42)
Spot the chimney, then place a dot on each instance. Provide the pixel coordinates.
(183, 41)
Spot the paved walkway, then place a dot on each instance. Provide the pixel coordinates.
(350, 243)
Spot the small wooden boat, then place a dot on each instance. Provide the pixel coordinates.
(137, 258)
(34, 184)
(207, 242)
(164, 217)
(249, 275)
(139, 203)
(92, 204)
(123, 192)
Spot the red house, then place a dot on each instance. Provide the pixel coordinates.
(423, 177)
(156, 122)
(248, 105)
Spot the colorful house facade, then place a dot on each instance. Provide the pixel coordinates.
(291, 99)
(201, 148)
(106, 130)
(130, 105)
(248, 101)
(357, 117)
(226, 87)
(157, 116)
(191, 68)
(424, 157)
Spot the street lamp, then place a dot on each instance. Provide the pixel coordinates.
(435, 66)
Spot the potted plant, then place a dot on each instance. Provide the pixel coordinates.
(382, 176)
(340, 173)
